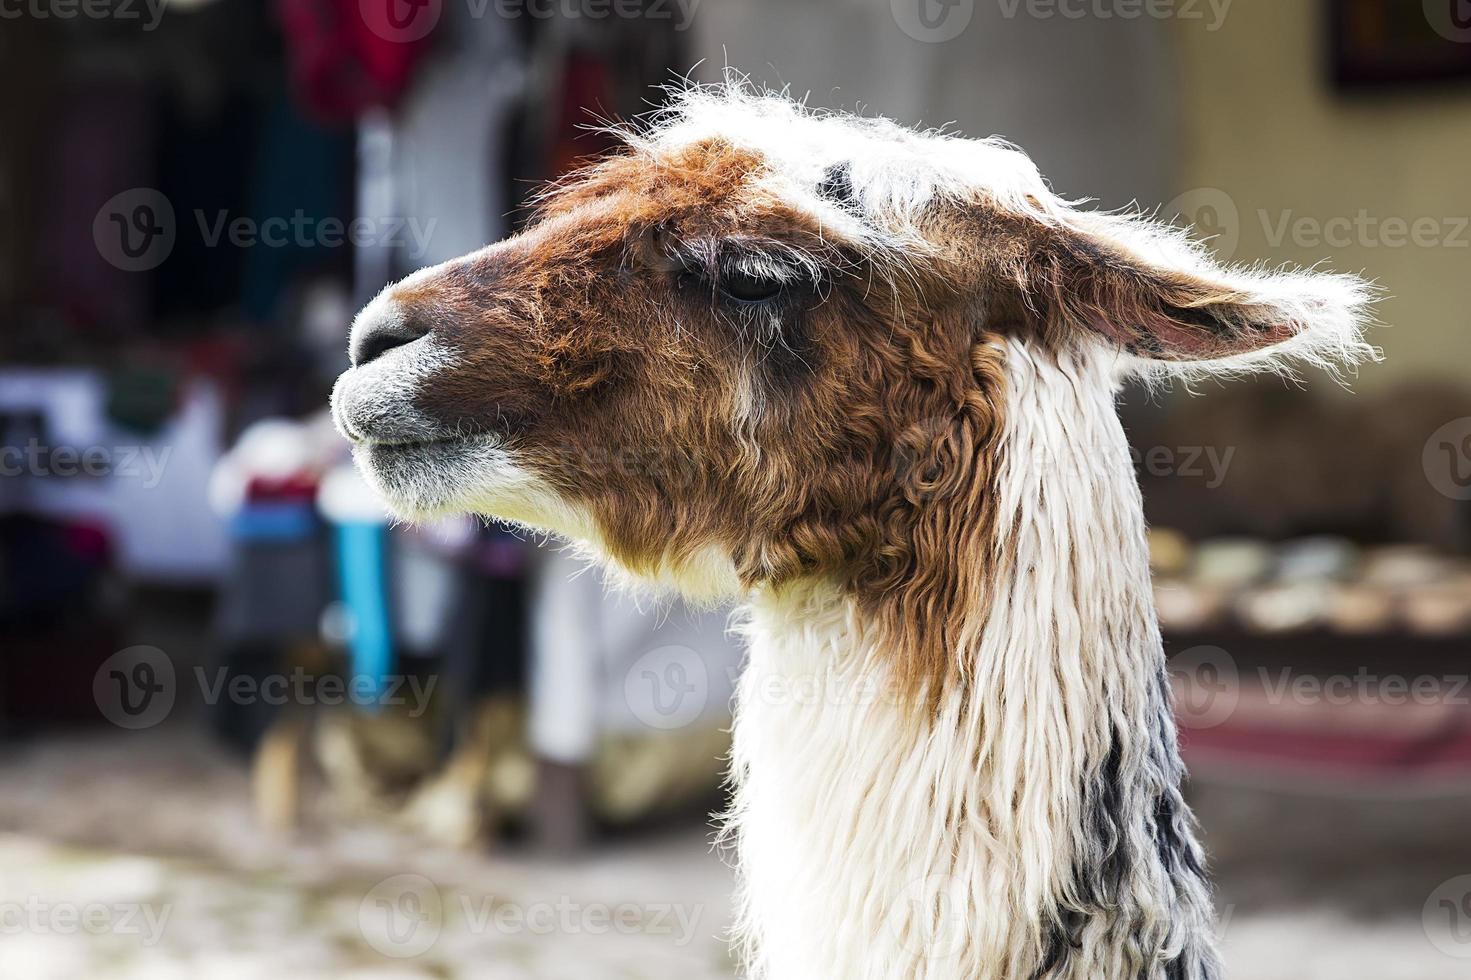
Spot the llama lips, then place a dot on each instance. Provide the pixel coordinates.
(366, 428)
(470, 473)
(366, 409)
(403, 472)
(413, 445)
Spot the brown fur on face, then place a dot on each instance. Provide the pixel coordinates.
(847, 431)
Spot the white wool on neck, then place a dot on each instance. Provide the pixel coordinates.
(872, 846)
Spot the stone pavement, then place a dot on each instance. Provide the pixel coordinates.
(135, 858)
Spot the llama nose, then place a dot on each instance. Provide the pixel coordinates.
(382, 333)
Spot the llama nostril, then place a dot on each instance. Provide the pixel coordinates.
(382, 336)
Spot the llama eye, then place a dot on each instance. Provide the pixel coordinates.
(745, 287)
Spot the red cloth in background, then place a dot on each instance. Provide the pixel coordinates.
(587, 95)
(1350, 756)
(351, 55)
(1356, 740)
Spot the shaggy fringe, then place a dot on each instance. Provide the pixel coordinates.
(901, 177)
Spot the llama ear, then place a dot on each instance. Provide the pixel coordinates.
(1158, 296)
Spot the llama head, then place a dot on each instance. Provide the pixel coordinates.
(763, 344)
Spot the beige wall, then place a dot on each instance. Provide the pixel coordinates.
(1088, 99)
(1260, 121)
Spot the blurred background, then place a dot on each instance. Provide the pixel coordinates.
(251, 730)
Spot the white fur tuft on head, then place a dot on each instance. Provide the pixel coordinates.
(894, 177)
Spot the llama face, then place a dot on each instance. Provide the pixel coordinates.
(765, 344)
(656, 365)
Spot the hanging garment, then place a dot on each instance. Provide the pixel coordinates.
(448, 157)
(299, 183)
(350, 55)
(588, 93)
(95, 156)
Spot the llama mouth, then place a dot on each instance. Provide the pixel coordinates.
(427, 446)
(429, 478)
(410, 444)
(421, 476)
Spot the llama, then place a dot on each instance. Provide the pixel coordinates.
(862, 379)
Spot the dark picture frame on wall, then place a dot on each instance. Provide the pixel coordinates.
(1377, 44)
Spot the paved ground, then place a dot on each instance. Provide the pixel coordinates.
(125, 858)
(1314, 888)
(152, 836)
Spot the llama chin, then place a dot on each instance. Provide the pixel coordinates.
(862, 378)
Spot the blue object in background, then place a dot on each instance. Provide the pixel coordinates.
(362, 562)
(273, 522)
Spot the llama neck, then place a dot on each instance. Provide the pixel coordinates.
(1031, 825)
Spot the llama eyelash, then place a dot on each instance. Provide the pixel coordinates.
(771, 326)
(764, 265)
(756, 288)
